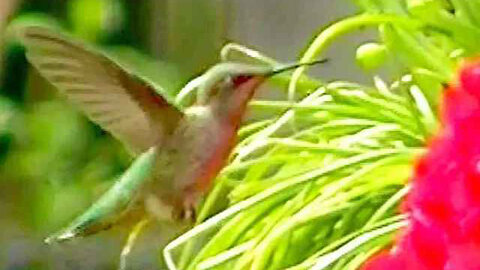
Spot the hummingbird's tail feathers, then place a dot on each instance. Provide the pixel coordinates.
(90, 222)
(59, 237)
(117, 204)
(288, 67)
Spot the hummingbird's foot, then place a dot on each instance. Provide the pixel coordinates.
(187, 210)
(188, 214)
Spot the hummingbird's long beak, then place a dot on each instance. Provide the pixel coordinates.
(283, 68)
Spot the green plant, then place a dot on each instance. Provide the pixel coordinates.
(316, 183)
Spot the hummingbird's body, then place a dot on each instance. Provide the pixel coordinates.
(201, 144)
(179, 153)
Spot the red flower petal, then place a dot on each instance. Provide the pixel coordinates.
(444, 203)
(385, 261)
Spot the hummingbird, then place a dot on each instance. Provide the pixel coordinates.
(178, 151)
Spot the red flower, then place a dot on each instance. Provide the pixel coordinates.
(444, 204)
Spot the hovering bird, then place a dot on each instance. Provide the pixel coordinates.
(178, 152)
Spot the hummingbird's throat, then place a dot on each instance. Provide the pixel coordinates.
(238, 80)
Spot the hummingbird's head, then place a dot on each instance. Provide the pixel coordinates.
(226, 76)
(233, 82)
(230, 76)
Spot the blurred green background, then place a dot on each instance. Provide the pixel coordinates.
(54, 162)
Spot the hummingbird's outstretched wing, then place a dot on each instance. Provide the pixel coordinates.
(121, 103)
